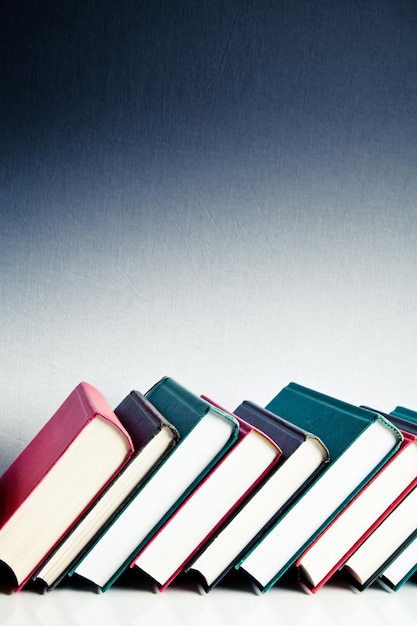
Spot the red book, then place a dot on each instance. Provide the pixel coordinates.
(356, 522)
(56, 477)
(206, 509)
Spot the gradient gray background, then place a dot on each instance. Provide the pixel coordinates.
(220, 191)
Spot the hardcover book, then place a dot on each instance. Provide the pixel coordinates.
(360, 443)
(57, 477)
(361, 517)
(206, 434)
(227, 486)
(303, 456)
(395, 567)
(200, 516)
(404, 565)
(152, 436)
(390, 539)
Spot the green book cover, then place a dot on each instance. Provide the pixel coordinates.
(407, 553)
(405, 414)
(206, 434)
(179, 406)
(336, 422)
(357, 452)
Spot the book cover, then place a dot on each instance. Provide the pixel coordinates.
(83, 442)
(201, 515)
(152, 437)
(403, 418)
(303, 457)
(206, 433)
(404, 565)
(359, 443)
(358, 520)
(384, 545)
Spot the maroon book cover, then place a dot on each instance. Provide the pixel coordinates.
(211, 516)
(34, 463)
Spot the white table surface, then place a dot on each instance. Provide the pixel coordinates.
(183, 603)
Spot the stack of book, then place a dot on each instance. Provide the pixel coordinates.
(171, 483)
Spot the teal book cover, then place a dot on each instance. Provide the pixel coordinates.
(206, 434)
(336, 422)
(404, 565)
(407, 415)
(360, 442)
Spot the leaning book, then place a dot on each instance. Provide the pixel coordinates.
(303, 457)
(361, 517)
(404, 565)
(56, 478)
(388, 552)
(153, 437)
(206, 435)
(253, 456)
(360, 443)
(390, 539)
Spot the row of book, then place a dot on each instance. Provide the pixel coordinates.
(171, 483)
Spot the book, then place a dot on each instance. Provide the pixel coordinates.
(360, 443)
(152, 437)
(401, 564)
(390, 539)
(361, 517)
(57, 477)
(200, 516)
(206, 434)
(303, 457)
(402, 567)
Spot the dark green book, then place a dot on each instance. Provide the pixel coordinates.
(359, 442)
(206, 433)
(401, 564)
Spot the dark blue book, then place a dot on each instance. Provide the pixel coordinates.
(303, 456)
(206, 434)
(359, 441)
(153, 437)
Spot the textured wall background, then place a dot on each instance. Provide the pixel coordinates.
(221, 191)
